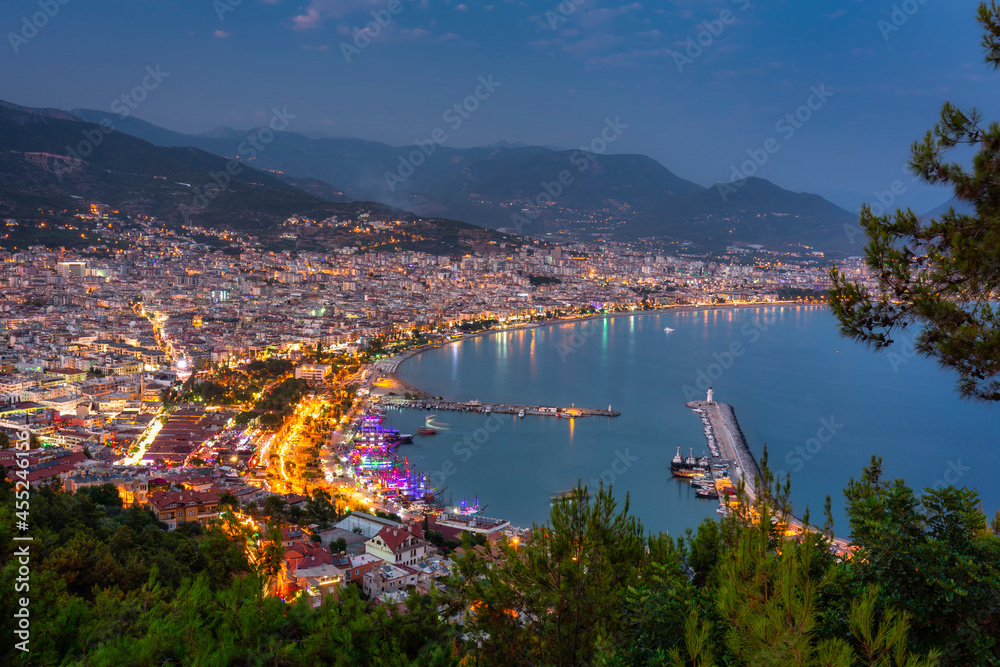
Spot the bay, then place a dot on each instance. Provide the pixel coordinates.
(822, 404)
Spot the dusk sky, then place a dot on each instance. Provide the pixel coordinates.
(563, 69)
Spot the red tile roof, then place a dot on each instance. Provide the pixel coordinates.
(394, 537)
(165, 500)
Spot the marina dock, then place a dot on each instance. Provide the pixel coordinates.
(722, 425)
(499, 408)
(733, 446)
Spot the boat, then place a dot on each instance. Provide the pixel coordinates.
(521, 414)
(423, 430)
(406, 438)
(464, 509)
(568, 495)
(690, 467)
(668, 329)
(679, 463)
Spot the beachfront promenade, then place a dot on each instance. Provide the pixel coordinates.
(733, 448)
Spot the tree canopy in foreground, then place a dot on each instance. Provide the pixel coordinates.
(941, 276)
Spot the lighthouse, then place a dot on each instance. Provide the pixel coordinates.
(710, 396)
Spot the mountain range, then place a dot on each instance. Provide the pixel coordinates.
(53, 164)
(517, 188)
(512, 188)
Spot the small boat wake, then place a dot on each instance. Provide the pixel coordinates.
(431, 423)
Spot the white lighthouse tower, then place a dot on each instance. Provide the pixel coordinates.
(710, 394)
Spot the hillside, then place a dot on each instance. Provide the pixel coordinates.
(960, 207)
(625, 197)
(52, 165)
(754, 211)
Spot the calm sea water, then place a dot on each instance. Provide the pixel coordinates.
(822, 404)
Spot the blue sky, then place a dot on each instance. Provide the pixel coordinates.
(694, 97)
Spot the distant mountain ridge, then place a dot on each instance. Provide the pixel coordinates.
(503, 186)
(960, 207)
(53, 165)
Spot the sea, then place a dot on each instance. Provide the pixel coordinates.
(821, 405)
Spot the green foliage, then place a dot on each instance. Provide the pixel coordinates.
(274, 506)
(792, 293)
(474, 326)
(96, 564)
(228, 501)
(388, 515)
(930, 556)
(271, 368)
(941, 276)
(110, 586)
(562, 594)
(543, 280)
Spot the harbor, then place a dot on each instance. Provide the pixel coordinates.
(498, 408)
(722, 429)
(730, 456)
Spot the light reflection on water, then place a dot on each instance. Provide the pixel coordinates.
(787, 379)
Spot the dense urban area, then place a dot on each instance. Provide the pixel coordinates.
(191, 382)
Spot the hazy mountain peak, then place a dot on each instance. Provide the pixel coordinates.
(223, 132)
(44, 113)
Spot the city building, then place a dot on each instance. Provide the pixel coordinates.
(177, 507)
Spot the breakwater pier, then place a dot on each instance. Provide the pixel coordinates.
(498, 408)
(722, 427)
(720, 420)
